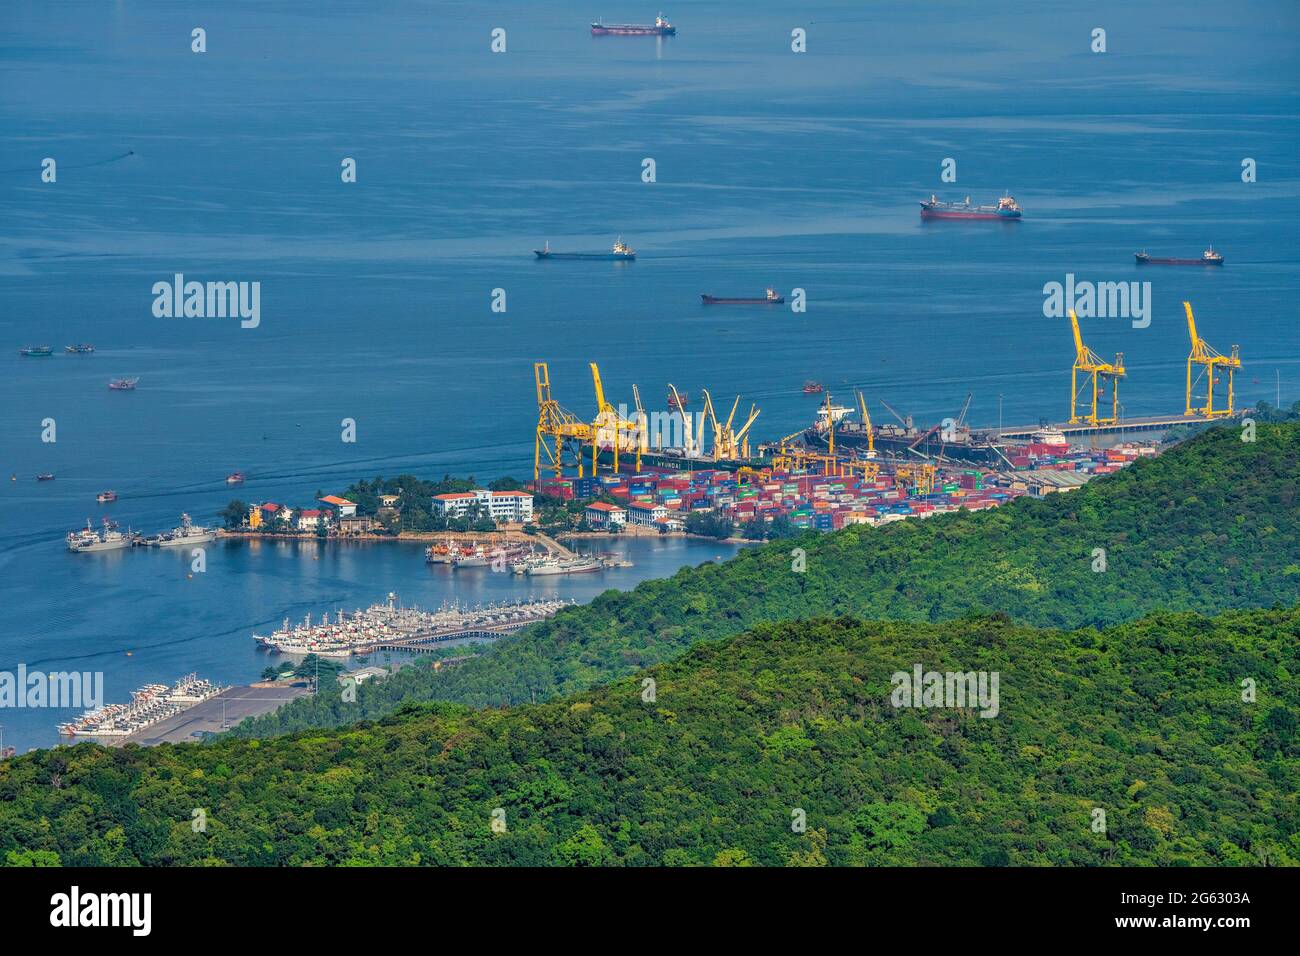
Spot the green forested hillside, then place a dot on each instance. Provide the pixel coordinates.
(1212, 524)
(1144, 723)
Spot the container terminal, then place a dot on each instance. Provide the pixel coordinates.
(839, 470)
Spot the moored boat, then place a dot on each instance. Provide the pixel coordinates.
(186, 533)
(106, 539)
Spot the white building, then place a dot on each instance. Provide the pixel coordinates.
(602, 514)
(514, 506)
(644, 514)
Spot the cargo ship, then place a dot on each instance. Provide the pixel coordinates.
(660, 28)
(934, 208)
(1208, 258)
(771, 298)
(621, 252)
(894, 441)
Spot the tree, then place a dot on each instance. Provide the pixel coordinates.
(233, 515)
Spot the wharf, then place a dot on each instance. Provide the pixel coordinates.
(213, 715)
(415, 641)
(1122, 427)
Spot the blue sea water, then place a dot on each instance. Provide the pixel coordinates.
(798, 170)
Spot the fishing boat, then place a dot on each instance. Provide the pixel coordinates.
(36, 351)
(678, 400)
(771, 298)
(812, 388)
(1208, 258)
(81, 348)
(45, 476)
(106, 496)
(123, 384)
(235, 478)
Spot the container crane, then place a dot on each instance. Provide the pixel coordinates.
(1203, 354)
(866, 424)
(1099, 374)
(728, 442)
(609, 427)
(555, 423)
(692, 441)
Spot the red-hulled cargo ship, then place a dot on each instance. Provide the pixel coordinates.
(1208, 258)
(934, 208)
(660, 28)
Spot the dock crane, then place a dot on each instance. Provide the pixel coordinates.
(642, 421)
(866, 424)
(728, 442)
(610, 427)
(692, 441)
(1099, 374)
(1203, 354)
(556, 423)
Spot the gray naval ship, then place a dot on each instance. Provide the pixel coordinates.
(106, 539)
(187, 533)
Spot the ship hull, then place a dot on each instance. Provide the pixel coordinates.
(1153, 261)
(585, 256)
(201, 538)
(954, 214)
(898, 447)
(631, 30)
(99, 546)
(724, 300)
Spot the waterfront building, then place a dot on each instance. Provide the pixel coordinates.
(498, 505)
(601, 514)
(341, 507)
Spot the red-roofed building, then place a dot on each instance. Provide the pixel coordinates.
(341, 507)
(602, 514)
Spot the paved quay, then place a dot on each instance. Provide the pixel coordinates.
(213, 715)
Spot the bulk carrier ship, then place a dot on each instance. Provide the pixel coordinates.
(934, 208)
(660, 28)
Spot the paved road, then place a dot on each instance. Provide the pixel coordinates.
(236, 704)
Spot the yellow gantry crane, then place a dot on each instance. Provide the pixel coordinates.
(1099, 375)
(729, 443)
(1203, 354)
(609, 428)
(555, 423)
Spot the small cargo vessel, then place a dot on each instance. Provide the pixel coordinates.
(1208, 258)
(104, 497)
(123, 384)
(235, 478)
(36, 351)
(81, 348)
(660, 28)
(771, 298)
(621, 252)
(812, 388)
(934, 208)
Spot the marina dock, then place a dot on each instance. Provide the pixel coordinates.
(213, 715)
